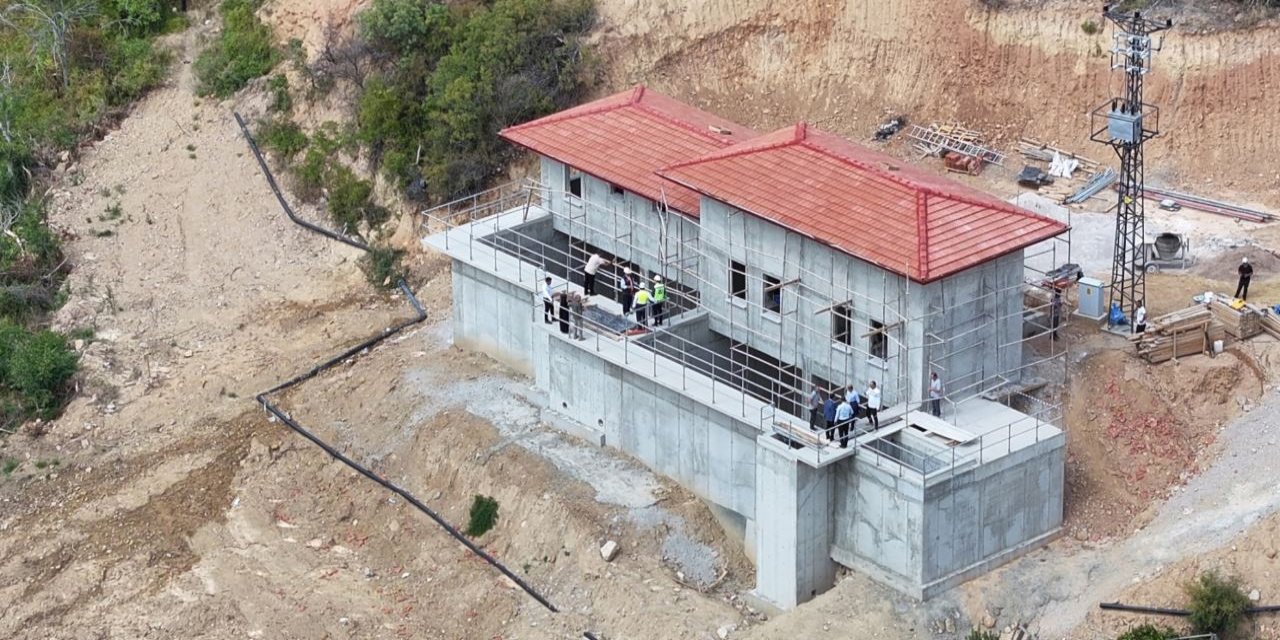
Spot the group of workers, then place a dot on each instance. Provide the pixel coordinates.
(565, 306)
(634, 294)
(838, 410)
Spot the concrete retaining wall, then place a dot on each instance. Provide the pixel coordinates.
(925, 536)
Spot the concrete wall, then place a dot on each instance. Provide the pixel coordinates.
(798, 335)
(878, 522)
(793, 547)
(626, 225)
(993, 511)
(710, 453)
(981, 327)
(801, 335)
(494, 316)
(922, 536)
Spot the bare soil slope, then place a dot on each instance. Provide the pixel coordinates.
(1021, 70)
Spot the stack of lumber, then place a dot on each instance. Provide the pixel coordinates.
(1033, 149)
(1271, 324)
(1182, 333)
(1240, 324)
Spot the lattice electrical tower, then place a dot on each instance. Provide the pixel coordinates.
(1124, 123)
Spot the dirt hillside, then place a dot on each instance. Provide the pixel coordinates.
(1028, 69)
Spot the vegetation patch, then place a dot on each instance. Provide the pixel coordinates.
(1149, 632)
(382, 266)
(484, 515)
(242, 52)
(1217, 603)
(68, 68)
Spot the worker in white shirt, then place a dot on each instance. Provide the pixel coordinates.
(853, 397)
(589, 273)
(935, 394)
(1140, 317)
(815, 410)
(548, 302)
(844, 420)
(873, 405)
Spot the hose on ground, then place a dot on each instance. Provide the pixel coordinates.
(421, 315)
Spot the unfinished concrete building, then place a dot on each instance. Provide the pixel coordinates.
(797, 261)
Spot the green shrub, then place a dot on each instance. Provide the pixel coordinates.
(484, 515)
(282, 137)
(1217, 604)
(309, 175)
(136, 67)
(1148, 632)
(281, 101)
(242, 52)
(39, 369)
(978, 634)
(348, 197)
(382, 266)
(1090, 27)
(140, 16)
(457, 76)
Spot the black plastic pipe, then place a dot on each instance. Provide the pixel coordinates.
(262, 398)
(408, 497)
(1160, 611)
(284, 204)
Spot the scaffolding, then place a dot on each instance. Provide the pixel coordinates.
(495, 219)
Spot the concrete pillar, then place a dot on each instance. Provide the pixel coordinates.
(793, 526)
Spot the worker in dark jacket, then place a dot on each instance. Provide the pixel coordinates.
(1246, 274)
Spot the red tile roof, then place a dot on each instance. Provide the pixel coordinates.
(863, 203)
(625, 138)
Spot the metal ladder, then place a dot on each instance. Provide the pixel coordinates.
(933, 141)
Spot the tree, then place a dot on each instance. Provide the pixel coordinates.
(48, 23)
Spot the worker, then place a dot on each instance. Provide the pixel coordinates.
(1140, 317)
(1055, 311)
(829, 411)
(873, 405)
(844, 419)
(548, 304)
(853, 397)
(1246, 274)
(589, 273)
(642, 301)
(626, 290)
(815, 409)
(659, 300)
(577, 306)
(563, 299)
(935, 394)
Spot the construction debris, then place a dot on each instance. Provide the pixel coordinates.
(1179, 334)
(1270, 323)
(1036, 150)
(1209, 206)
(1099, 181)
(1062, 166)
(609, 551)
(937, 139)
(1033, 177)
(888, 129)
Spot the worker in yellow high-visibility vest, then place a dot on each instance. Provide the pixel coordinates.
(659, 300)
(643, 298)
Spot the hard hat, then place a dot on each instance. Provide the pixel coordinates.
(1244, 260)
(657, 278)
(626, 270)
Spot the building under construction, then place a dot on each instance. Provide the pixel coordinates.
(795, 260)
